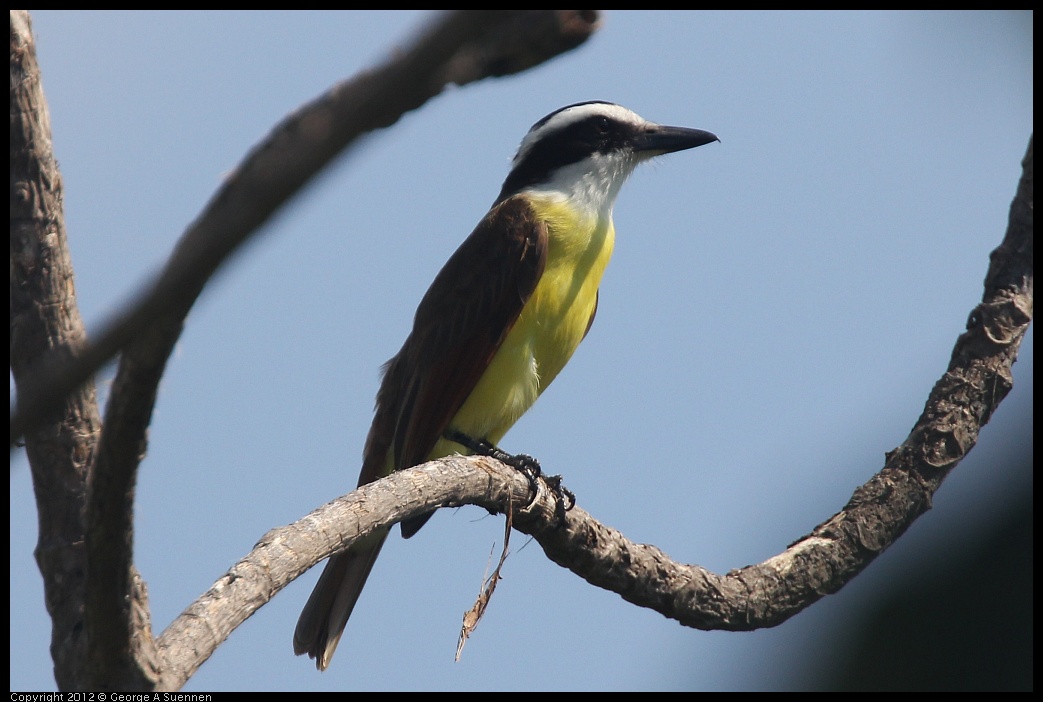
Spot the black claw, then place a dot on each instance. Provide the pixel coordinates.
(523, 463)
(564, 498)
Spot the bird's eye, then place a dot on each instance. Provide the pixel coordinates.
(601, 125)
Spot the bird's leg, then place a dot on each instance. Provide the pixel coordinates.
(521, 462)
(565, 499)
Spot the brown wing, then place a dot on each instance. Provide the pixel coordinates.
(460, 323)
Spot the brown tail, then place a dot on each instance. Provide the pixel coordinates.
(324, 616)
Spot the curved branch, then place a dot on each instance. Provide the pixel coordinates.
(753, 597)
(285, 553)
(763, 595)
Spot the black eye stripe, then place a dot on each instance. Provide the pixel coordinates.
(568, 144)
(590, 132)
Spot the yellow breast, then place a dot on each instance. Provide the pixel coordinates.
(549, 329)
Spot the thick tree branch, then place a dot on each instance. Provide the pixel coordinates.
(284, 553)
(45, 320)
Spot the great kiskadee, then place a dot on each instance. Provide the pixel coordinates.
(500, 320)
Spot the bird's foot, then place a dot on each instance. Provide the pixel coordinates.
(564, 498)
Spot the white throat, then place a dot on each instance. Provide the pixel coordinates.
(590, 186)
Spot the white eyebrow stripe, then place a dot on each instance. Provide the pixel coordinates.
(571, 115)
(577, 113)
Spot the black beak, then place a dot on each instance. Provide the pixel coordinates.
(658, 139)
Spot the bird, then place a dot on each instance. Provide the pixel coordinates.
(499, 321)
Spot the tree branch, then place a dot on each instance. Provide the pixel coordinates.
(45, 320)
(753, 597)
(284, 553)
(963, 400)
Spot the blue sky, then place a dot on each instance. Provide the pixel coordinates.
(778, 308)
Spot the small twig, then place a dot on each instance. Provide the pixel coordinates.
(475, 614)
